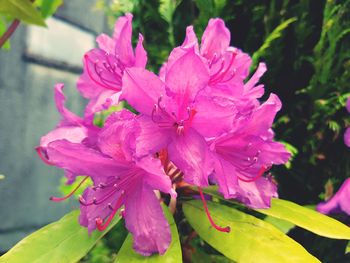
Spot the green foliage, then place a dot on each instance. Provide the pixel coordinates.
(48, 7)
(173, 254)
(63, 241)
(275, 34)
(249, 239)
(23, 10)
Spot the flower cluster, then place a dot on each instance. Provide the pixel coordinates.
(199, 121)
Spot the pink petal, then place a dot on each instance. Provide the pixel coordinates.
(260, 121)
(88, 214)
(226, 178)
(140, 54)
(103, 69)
(141, 89)
(348, 104)
(156, 178)
(209, 109)
(122, 36)
(339, 202)
(88, 88)
(191, 155)
(68, 116)
(103, 101)
(257, 194)
(75, 134)
(152, 138)
(190, 39)
(81, 160)
(106, 43)
(117, 137)
(147, 223)
(216, 38)
(249, 87)
(347, 137)
(186, 77)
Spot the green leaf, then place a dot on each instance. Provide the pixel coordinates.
(63, 241)
(280, 224)
(173, 254)
(303, 217)
(3, 28)
(275, 34)
(249, 239)
(48, 7)
(347, 249)
(23, 10)
(307, 219)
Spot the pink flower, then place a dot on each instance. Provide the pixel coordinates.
(176, 116)
(245, 153)
(347, 132)
(339, 202)
(71, 128)
(119, 179)
(101, 81)
(228, 66)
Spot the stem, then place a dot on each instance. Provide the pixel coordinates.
(12, 28)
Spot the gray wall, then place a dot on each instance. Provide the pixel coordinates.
(38, 59)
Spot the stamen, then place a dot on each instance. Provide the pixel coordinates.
(221, 229)
(101, 81)
(219, 76)
(42, 157)
(59, 199)
(99, 222)
(95, 201)
(261, 172)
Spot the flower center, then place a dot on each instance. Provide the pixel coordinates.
(223, 74)
(106, 73)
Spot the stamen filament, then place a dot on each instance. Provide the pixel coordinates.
(221, 229)
(42, 157)
(262, 170)
(59, 199)
(99, 222)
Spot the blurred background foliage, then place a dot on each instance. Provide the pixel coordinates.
(305, 44)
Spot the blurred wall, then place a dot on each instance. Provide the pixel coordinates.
(39, 58)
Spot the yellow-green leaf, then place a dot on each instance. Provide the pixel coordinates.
(23, 10)
(303, 217)
(308, 219)
(250, 239)
(63, 241)
(172, 255)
